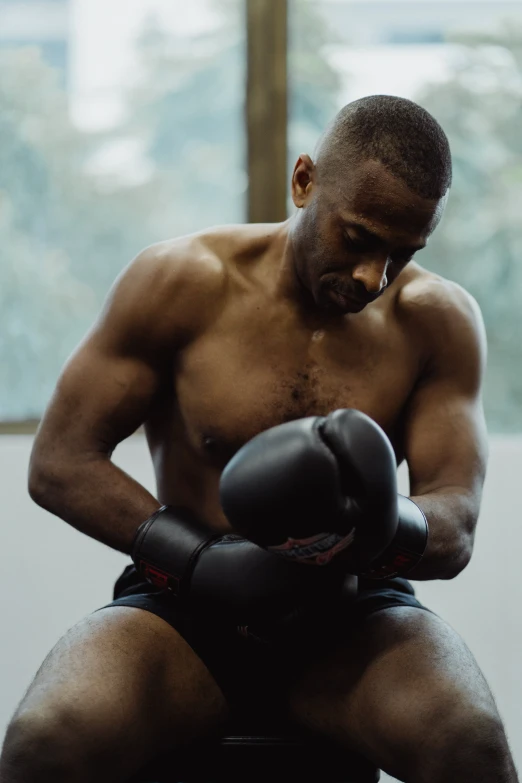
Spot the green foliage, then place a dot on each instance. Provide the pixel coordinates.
(314, 85)
(186, 107)
(479, 242)
(63, 238)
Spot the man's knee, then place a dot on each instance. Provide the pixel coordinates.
(450, 742)
(37, 748)
(474, 736)
(61, 742)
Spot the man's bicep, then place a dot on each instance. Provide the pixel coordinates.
(105, 388)
(445, 440)
(445, 436)
(102, 396)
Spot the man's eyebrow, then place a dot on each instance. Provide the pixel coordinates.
(372, 236)
(366, 232)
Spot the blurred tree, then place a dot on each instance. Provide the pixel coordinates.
(63, 236)
(44, 161)
(479, 243)
(188, 106)
(314, 83)
(42, 308)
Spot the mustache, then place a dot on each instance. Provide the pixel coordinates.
(362, 296)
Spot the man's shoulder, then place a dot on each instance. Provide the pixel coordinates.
(428, 298)
(167, 293)
(184, 273)
(205, 258)
(186, 261)
(442, 313)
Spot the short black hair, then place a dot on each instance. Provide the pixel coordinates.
(399, 133)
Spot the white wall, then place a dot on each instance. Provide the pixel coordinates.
(51, 576)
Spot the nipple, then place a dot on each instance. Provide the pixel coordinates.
(209, 443)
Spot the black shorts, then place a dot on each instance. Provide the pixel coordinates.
(252, 671)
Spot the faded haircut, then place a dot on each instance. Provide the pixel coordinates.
(399, 133)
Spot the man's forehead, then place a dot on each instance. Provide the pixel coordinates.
(371, 182)
(387, 201)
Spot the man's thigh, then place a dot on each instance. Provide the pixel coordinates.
(404, 676)
(122, 685)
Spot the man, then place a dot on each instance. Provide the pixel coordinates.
(210, 340)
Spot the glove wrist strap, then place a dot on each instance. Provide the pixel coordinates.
(407, 547)
(167, 545)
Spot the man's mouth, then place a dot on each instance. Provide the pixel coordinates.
(346, 302)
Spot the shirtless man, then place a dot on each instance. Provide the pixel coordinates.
(213, 338)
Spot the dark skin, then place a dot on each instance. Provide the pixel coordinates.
(210, 339)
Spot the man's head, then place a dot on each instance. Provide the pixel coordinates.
(372, 196)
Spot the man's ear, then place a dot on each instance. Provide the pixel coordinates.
(303, 179)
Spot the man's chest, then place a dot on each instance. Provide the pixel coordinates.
(243, 378)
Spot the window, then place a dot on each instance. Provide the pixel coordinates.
(121, 124)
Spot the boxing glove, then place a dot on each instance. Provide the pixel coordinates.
(225, 576)
(324, 489)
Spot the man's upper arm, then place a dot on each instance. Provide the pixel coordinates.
(101, 397)
(445, 437)
(108, 384)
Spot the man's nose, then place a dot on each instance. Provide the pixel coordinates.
(371, 274)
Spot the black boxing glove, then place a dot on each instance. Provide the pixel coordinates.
(224, 576)
(335, 475)
(410, 539)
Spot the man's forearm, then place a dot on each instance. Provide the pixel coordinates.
(451, 516)
(97, 498)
